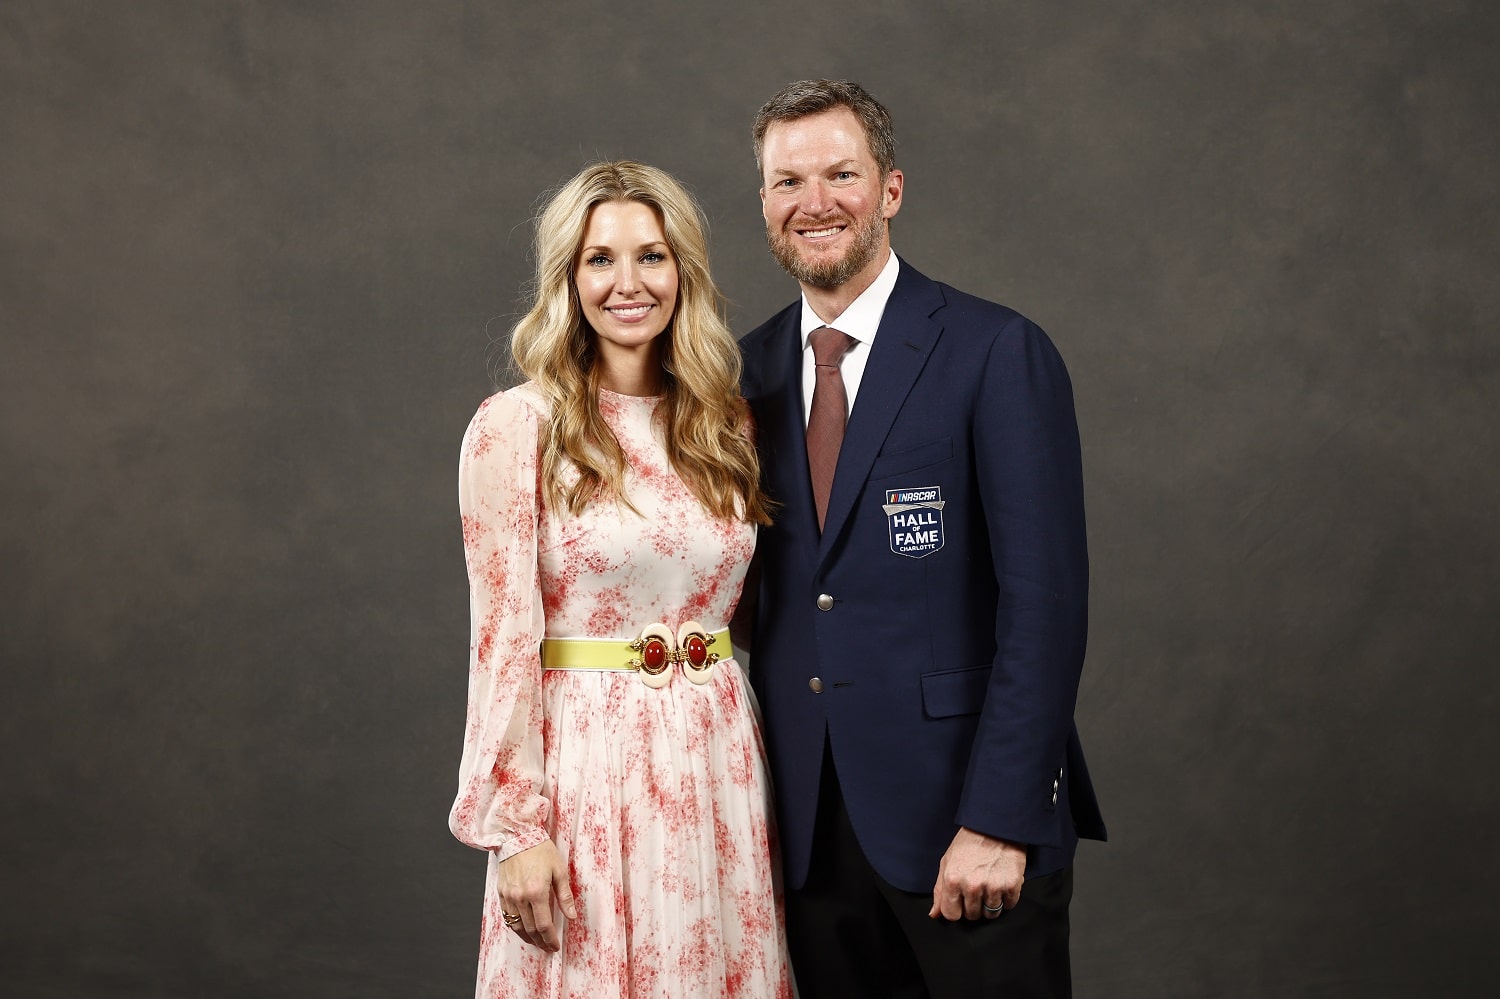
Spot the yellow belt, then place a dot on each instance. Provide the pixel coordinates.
(607, 653)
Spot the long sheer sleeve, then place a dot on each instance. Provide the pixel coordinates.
(500, 805)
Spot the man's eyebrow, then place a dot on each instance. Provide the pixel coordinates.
(840, 166)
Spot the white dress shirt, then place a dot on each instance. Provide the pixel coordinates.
(860, 320)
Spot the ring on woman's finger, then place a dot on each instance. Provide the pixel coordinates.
(511, 918)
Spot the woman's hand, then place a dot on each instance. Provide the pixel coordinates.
(528, 882)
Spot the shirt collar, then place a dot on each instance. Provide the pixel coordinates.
(862, 318)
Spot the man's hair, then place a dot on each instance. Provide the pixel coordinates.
(809, 97)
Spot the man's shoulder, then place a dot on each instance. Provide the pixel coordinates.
(982, 324)
(758, 338)
(961, 306)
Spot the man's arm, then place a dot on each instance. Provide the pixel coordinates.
(1029, 475)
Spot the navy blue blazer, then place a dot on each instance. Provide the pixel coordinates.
(945, 667)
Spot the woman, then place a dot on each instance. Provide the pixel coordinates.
(609, 508)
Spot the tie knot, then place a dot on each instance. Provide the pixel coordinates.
(829, 345)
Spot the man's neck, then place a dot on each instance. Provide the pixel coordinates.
(830, 303)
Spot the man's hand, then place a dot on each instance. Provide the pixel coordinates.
(978, 871)
(528, 882)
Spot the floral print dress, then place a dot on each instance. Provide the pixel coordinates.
(657, 799)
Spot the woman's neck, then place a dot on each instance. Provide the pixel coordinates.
(636, 372)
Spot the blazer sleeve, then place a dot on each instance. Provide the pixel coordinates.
(499, 805)
(1030, 478)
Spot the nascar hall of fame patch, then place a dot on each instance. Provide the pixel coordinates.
(915, 517)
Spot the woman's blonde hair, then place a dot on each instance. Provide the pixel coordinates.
(702, 413)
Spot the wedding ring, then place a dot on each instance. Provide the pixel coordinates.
(511, 918)
(994, 908)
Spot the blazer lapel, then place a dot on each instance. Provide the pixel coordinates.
(783, 430)
(905, 339)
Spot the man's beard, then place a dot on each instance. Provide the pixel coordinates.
(868, 237)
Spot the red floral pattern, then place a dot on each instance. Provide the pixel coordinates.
(657, 799)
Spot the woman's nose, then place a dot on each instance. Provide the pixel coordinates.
(626, 278)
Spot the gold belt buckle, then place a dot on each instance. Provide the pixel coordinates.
(657, 649)
(654, 649)
(692, 652)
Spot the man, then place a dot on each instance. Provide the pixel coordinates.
(922, 598)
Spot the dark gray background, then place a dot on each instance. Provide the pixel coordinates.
(253, 262)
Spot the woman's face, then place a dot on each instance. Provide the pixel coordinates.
(626, 277)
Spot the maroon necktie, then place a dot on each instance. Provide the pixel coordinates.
(829, 411)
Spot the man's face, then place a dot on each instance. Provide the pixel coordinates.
(825, 203)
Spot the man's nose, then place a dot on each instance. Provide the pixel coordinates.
(816, 199)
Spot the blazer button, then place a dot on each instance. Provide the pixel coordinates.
(815, 685)
(825, 602)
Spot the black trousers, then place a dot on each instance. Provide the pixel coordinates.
(853, 935)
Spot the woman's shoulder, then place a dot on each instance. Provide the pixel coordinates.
(511, 415)
(524, 402)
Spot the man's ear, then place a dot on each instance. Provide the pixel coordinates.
(891, 194)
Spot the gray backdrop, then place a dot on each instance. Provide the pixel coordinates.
(254, 260)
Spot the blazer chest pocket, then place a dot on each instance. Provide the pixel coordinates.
(955, 691)
(912, 458)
